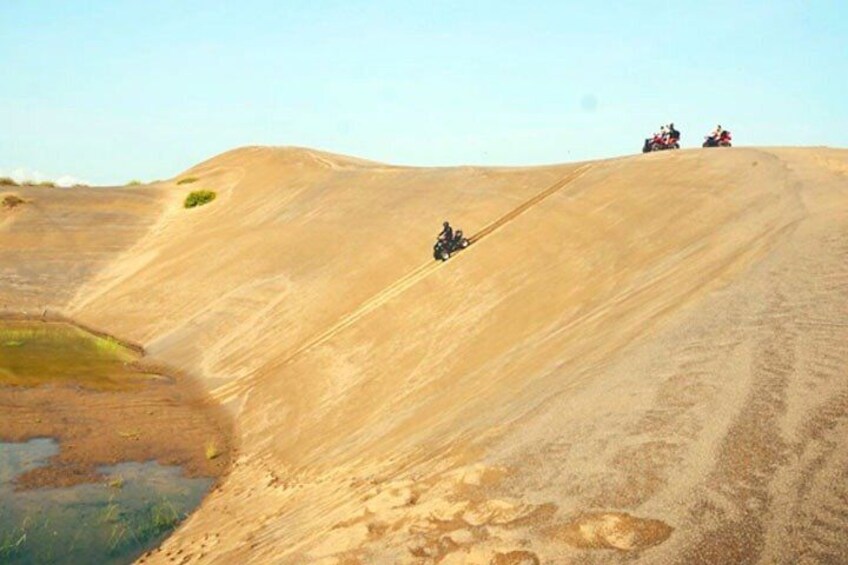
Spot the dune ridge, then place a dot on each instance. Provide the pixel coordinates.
(639, 357)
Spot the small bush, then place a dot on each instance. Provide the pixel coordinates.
(8, 181)
(11, 201)
(199, 198)
(134, 182)
(47, 184)
(187, 180)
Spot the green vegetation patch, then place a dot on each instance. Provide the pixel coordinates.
(37, 353)
(199, 198)
(134, 182)
(8, 181)
(187, 180)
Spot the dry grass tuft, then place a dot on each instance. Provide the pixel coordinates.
(12, 201)
(212, 451)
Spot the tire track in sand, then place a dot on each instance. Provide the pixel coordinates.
(515, 212)
(230, 390)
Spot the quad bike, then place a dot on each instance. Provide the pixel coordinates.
(723, 140)
(443, 249)
(660, 143)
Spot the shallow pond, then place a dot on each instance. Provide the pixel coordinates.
(112, 522)
(82, 424)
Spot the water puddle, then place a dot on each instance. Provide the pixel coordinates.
(131, 452)
(110, 522)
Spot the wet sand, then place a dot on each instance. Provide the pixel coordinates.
(139, 412)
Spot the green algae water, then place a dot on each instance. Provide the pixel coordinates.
(110, 523)
(36, 353)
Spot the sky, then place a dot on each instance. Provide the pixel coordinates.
(108, 91)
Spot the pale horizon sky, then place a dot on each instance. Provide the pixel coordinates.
(108, 91)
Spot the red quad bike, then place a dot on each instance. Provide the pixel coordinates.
(723, 140)
(444, 249)
(660, 143)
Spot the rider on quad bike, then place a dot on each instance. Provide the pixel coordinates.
(673, 134)
(716, 133)
(447, 231)
(719, 137)
(667, 138)
(448, 242)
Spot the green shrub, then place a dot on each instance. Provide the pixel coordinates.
(7, 181)
(199, 198)
(47, 184)
(187, 180)
(134, 182)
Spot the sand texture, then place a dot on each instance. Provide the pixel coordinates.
(641, 359)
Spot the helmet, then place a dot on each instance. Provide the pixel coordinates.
(445, 223)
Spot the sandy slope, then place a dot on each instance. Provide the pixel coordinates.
(641, 358)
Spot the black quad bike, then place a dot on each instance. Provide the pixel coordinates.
(443, 249)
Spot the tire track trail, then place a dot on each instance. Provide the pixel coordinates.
(513, 214)
(230, 390)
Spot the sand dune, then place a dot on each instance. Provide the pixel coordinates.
(639, 358)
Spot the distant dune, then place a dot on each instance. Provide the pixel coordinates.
(638, 358)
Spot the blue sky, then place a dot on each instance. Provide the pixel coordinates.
(109, 91)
